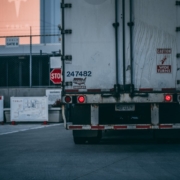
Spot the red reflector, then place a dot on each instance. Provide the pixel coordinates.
(97, 127)
(74, 127)
(143, 127)
(0, 97)
(163, 126)
(120, 127)
(168, 97)
(81, 99)
(67, 99)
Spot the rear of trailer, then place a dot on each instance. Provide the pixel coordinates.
(121, 65)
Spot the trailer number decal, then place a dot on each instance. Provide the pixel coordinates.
(164, 60)
(78, 73)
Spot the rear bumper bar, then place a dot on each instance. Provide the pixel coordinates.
(126, 98)
(70, 126)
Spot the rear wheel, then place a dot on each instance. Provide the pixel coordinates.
(95, 140)
(79, 140)
(92, 136)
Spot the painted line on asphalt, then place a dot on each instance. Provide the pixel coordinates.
(31, 128)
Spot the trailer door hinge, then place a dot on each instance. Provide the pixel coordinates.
(68, 83)
(67, 57)
(67, 31)
(177, 3)
(66, 5)
(130, 23)
(115, 24)
(177, 29)
(178, 55)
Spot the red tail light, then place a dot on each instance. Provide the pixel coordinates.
(168, 98)
(67, 99)
(81, 99)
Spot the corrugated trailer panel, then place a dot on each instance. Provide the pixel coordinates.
(121, 66)
(155, 44)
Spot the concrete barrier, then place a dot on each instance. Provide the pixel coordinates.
(54, 115)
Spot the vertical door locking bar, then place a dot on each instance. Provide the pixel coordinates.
(131, 24)
(116, 25)
(63, 32)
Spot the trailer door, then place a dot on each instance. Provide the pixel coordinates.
(89, 44)
(155, 44)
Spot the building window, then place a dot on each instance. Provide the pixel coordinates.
(40, 73)
(14, 71)
(3, 72)
(18, 71)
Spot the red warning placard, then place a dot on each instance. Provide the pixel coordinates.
(163, 69)
(163, 59)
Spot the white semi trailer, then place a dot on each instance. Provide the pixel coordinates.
(121, 65)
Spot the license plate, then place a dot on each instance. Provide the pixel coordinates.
(125, 107)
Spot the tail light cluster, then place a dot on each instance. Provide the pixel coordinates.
(168, 98)
(68, 99)
(79, 99)
(82, 99)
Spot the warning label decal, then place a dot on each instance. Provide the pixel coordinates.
(163, 59)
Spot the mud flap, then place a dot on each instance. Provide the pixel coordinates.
(92, 137)
(85, 133)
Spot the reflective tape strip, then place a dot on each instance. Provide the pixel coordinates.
(176, 126)
(168, 89)
(146, 89)
(169, 126)
(94, 90)
(165, 126)
(71, 90)
(123, 126)
(143, 126)
(120, 127)
(97, 127)
(75, 127)
(163, 89)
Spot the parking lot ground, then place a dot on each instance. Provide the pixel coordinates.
(18, 127)
(48, 152)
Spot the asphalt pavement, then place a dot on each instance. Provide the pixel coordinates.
(47, 152)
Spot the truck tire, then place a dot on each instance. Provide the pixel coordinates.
(91, 138)
(79, 140)
(95, 140)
